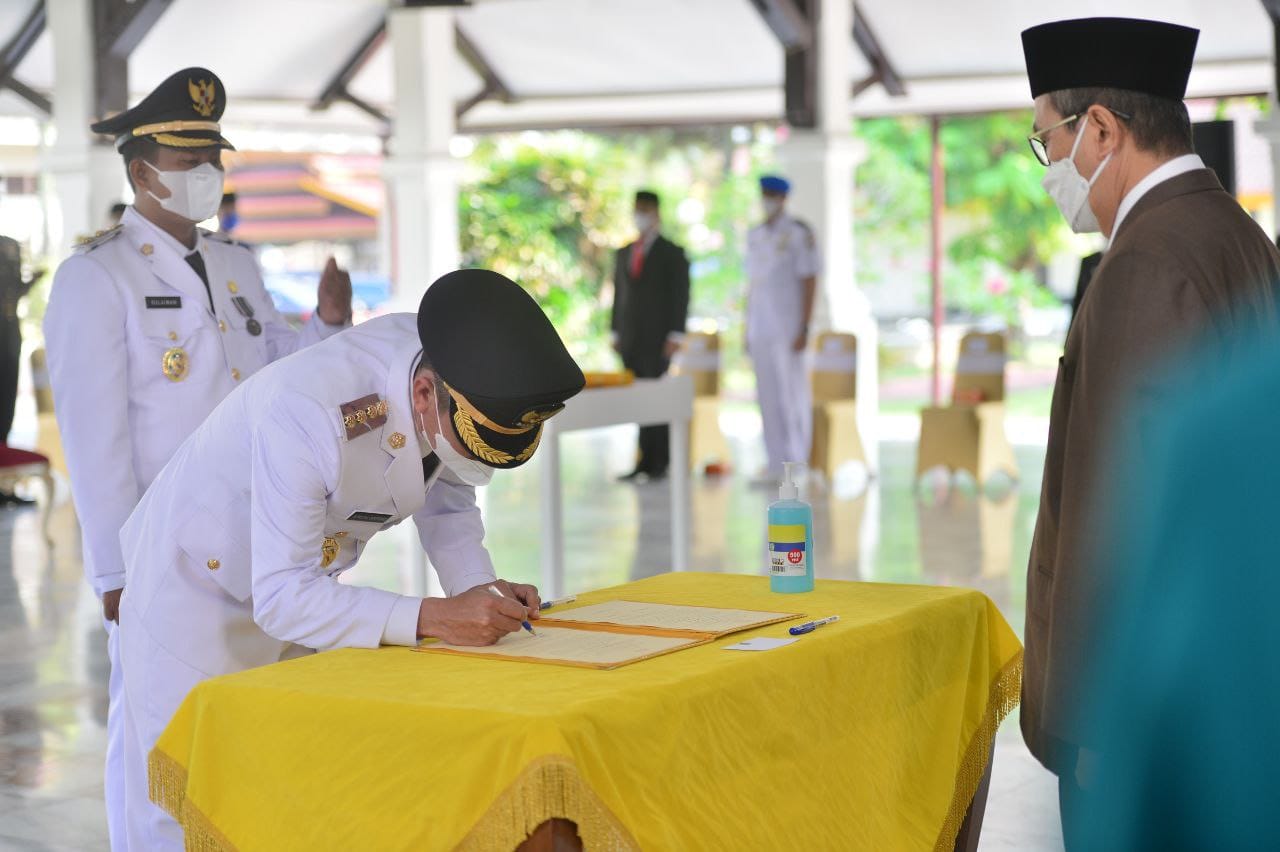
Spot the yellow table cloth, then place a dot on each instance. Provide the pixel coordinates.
(870, 733)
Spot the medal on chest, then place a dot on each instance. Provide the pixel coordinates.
(246, 310)
(174, 363)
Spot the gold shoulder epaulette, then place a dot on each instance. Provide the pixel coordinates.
(361, 416)
(101, 237)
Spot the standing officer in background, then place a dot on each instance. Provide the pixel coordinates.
(782, 274)
(228, 218)
(650, 307)
(1185, 265)
(148, 327)
(235, 551)
(13, 286)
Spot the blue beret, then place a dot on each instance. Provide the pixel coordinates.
(773, 183)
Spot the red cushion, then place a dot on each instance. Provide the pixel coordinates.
(13, 457)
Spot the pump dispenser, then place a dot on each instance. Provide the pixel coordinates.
(790, 537)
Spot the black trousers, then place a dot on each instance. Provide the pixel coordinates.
(10, 355)
(655, 441)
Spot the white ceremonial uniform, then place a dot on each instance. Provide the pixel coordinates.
(137, 360)
(234, 553)
(780, 255)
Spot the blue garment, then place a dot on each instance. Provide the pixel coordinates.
(1181, 709)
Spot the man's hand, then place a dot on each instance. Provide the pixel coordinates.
(801, 341)
(475, 617)
(526, 594)
(333, 296)
(669, 349)
(111, 605)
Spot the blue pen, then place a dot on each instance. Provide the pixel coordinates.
(558, 602)
(526, 625)
(810, 626)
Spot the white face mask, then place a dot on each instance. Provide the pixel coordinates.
(1070, 191)
(772, 207)
(469, 471)
(194, 194)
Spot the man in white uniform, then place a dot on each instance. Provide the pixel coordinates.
(148, 327)
(233, 555)
(782, 270)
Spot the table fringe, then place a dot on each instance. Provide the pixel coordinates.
(167, 786)
(1005, 693)
(549, 788)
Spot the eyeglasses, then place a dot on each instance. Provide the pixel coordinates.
(1039, 145)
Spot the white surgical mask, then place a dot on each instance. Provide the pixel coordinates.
(772, 207)
(194, 194)
(644, 221)
(1070, 191)
(469, 471)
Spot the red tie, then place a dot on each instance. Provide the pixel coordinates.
(637, 259)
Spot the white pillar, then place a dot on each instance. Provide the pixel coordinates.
(87, 177)
(421, 175)
(820, 164)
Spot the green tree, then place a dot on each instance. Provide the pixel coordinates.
(1007, 225)
(548, 217)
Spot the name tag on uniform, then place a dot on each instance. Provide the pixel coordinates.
(369, 517)
(164, 301)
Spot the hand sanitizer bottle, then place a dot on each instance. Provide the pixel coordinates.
(790, 537)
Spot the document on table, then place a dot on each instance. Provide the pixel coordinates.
(702, 620)
(612, 634)
(595, 649)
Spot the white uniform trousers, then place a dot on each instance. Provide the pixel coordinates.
(155, 683)
(786, 404)
(113, 778)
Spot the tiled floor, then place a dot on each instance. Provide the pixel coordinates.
(53, 663)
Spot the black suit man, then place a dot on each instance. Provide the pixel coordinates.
(650, 306)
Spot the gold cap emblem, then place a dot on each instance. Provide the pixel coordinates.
(533, 418)
(396, 440)
(202, 96)
(175, 364)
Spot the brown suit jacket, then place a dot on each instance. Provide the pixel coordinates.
(1187, 265)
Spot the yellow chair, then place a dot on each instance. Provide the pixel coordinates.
(699, 357)
(969, 434)
(836, 439)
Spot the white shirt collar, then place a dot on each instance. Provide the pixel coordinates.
(1166, 171)
(158, 234)
(647, 239)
